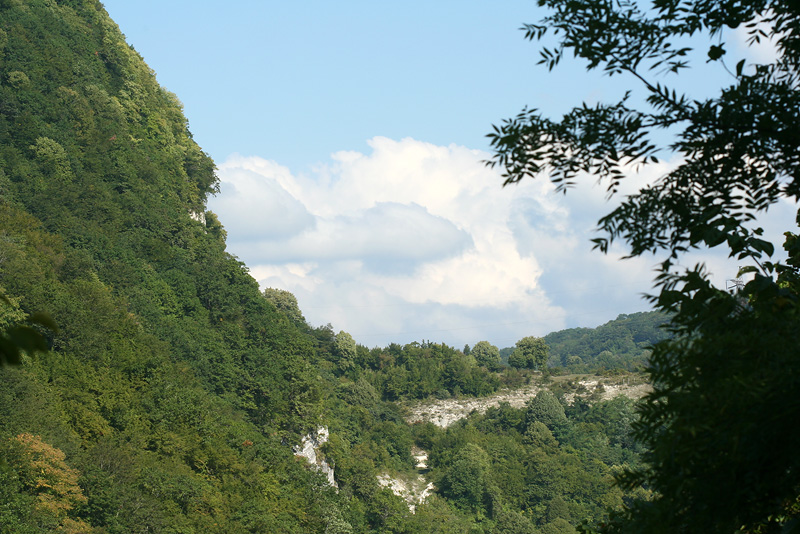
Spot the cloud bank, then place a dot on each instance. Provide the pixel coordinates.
(415, 241)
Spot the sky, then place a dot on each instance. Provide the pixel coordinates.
(350, 139)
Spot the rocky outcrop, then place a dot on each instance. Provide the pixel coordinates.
(309, 449)
(445, 412)
(414, 491)
(420, 458)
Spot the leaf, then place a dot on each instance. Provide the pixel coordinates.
(715, 52)
(745, 270)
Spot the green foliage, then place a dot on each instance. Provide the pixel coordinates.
(545, 408)
(623, 343)
(171, 382)
(285, 302)
(718, 425)
(174, 387)
(345, 351)
(558, 526)
(512, 522)
(530, 353)
(467, 481)
(41, 472)
(724, 381)
(18, 338)
(486, 355)
(510, 472)
(420, 370)
(17, 511)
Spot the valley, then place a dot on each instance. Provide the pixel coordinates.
(156, 388)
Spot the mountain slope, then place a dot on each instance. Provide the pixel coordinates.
(172, 381)
(619, 344)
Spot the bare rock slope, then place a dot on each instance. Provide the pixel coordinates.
(445, 412)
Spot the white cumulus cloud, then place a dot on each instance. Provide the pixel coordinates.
(258, 207)
(416, 241)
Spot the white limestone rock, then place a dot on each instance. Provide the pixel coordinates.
(309, 449)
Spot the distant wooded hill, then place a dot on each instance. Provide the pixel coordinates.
(619, 344)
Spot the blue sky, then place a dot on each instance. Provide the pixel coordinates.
(349, 138)
(297, 81)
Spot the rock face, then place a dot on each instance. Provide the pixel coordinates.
(420, 458)
(414, 491)
(309, 448)
(444, 413)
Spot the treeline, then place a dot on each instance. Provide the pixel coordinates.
(397, 372)
(412, 371)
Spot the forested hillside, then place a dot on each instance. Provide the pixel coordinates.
(174, 389)
(623, 343)
(172, 381)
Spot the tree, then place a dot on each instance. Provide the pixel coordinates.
(285, 302)
(545, 408)
(468, 482)
(513, 522)
(530, 353)
(44, 473)
(345, 349)
(486, 354)
(719, 424)
(559, 526)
